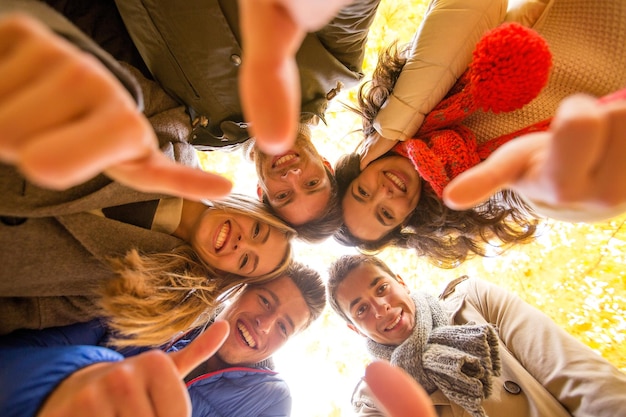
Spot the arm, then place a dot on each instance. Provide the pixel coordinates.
(345, 36)
(573, 172)
(580, 379)
(29, 374)
(272, 31)
(90, 380)
(437, 58)
(88, 333)
(54, 96)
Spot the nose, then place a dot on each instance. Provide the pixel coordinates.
(386, 189)
(382, 193)
(291, 174)
(239, 242)
(380, 308)
(264, 323)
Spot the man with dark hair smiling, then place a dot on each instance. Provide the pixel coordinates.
(68, 371)
(477, 350)
(299, 186)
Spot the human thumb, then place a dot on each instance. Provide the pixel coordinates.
(396, 392)
(203, 347)
(502, 169)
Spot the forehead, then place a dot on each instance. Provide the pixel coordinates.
(360, 216)
(358, 281)
(272, 252)
(288, 298)
(306, 205)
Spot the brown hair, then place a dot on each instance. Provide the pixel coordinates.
(311, 287)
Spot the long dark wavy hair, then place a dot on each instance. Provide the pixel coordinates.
(444, 236)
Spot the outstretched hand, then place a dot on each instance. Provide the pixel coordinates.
(64, 118)
(576, 171)
(397, 394)
(269, 81)
(150, 384)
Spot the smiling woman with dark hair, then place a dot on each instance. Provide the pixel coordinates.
(440, 108)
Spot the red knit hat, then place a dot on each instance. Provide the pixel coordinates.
(510, 66)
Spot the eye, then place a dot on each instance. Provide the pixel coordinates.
(361, 310)
(283, 328)
(382, 288)
(362, 192)
(264, 301)
(386, 214)
(312, 183)
(244, 261)
(256, 230)
(282, 195)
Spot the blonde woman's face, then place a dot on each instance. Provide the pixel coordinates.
(238, 243)
(381, 197)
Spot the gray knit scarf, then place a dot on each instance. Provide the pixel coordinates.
(458, 360)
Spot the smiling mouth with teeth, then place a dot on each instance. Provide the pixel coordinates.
(222, 235)
(247, 337)
(395, 323)
(284, 160)
(396, 181)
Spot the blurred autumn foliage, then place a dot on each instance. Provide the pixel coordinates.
(573, 272)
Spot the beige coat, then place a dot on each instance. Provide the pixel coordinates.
(587, 40)
(545, 371)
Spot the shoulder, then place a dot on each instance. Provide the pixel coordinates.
(239, 391)
(527, 12)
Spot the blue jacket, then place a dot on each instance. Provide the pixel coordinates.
(34, 362)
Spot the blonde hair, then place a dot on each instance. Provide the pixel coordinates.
(156, 297)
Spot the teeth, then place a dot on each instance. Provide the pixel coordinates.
(246, 335)
(396, 180)
(221, 237)
(283, 159)
(395, 322)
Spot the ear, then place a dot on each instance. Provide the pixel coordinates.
(259, 192)
(354, 329)
(401, 282)
(328, 165)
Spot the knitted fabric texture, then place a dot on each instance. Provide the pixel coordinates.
(586, 39)
(510, 66)
(458, 360)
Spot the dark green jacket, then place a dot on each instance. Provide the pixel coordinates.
(193, 49)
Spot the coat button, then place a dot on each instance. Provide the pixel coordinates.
(12, 221)
(235, 59)
(512, 388)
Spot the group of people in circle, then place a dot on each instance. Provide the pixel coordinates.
(135, 283)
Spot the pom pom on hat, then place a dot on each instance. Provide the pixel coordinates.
(510, 66)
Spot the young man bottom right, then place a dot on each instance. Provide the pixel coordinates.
(477, 349)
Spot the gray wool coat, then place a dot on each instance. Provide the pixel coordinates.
(53, 251)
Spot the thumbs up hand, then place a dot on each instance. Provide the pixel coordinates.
(146, 385)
